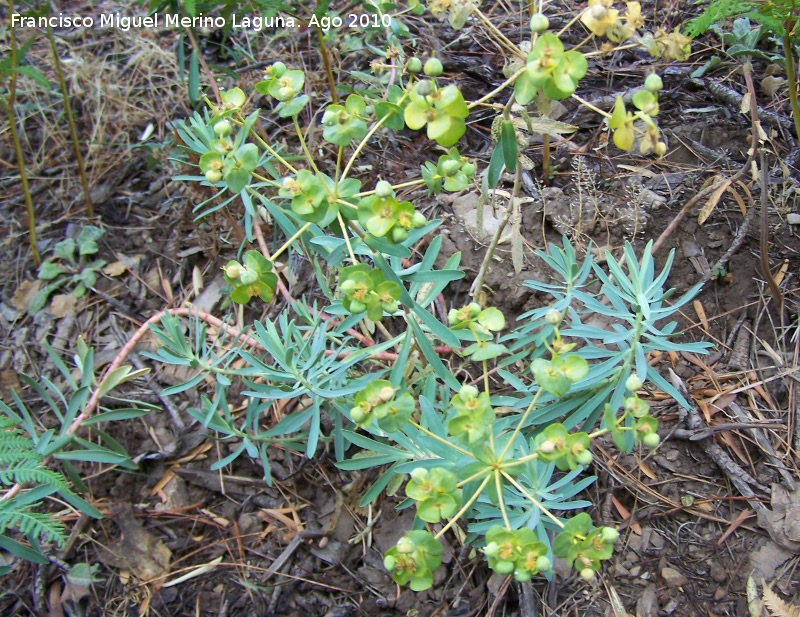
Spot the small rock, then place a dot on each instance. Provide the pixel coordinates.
(635, 570)
(620, 570)
(720, 594)
(673, 578)
(672, 455)
(718, 573)
(656, 541)
(793, 218)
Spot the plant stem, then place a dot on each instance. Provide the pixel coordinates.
(326, 61)
(441, 439)
(534, 501)
(360, 146)
(346, 237)
(9, 105)
(466, 507)
(499, 36)
(508, 82)
(71, 122)
(290, 241)
(308, 154)
(520, 423)
(499, 486)
(791, 76)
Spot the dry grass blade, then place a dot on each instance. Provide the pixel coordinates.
(712, 202)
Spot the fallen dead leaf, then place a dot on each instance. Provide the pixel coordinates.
(777, 606)
(62, 305)
(783, 521)
(115, 268)
(24, 293)
(138, 551)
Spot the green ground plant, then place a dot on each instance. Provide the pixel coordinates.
(72, 265)
(488, 427)
(777, 18)
(504, 450)
(29, 450)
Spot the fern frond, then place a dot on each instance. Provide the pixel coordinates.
(21, 516)
(716, 12)
(28, 471)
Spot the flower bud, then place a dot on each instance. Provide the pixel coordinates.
(232, 270)
(633, 383)
(660, 149)
(609, 535)
(414, 65)
(418, 220)
(357, 306)
(553, 317)
(248, 276)
(653, 83)
(543, 564)
(468, 169)
(223, 128)
(450, 167)
(433, 67)
(386, 394)
(383, 189)
(598, 11)
(547, 447)
(468, 392)
(539, 23)
(399, 234)
(587, 574)
(348, 287)
(504, 567)
(651, 440)
(277, 70)
(419, 474)
(389, 562)
(405, 545)
(584, 459)
(213, 176)
(424, 88)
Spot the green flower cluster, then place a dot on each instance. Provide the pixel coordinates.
(229, 159)
(473, 417)
(636, 417)
(436, 493)
(366, 289)
(516, 551)
(315, 197)
(557, 375)
(284, 86)
(583, 545)
(380, 401)
(383, 216)
(252, 277)
(452, 169)
(344, 123)
(566, 450)
(623, 123)
(413, 559)
(550, 70)
(443, 110)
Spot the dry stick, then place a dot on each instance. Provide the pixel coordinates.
(764, 238)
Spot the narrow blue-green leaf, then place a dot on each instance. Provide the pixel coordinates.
(22, 551)
(432, 357)
(194, 77)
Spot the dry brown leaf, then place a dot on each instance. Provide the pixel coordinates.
(738, 199)
(712, 202)
(24, 293)
(701, 314)
(626, 515)
(754, 604)
(115, 268)
(771, 84)
(776, 606)
(616, 603)
(62, 305)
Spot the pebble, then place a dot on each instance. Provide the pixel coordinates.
(718, 573)
(673, 578)
(720, 594)
(793, 218)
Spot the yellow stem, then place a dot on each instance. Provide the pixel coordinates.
(466, 507)
(499, 485)
(497, 90)
(346, 237)
(441, 440)
(303, 144)
(590, 106)
(534, 501)
(520, 423)
(289, 242)
(501, 38)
